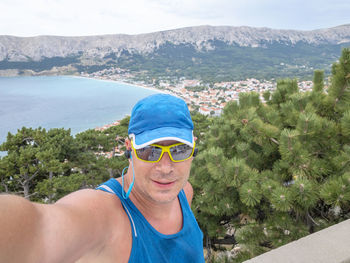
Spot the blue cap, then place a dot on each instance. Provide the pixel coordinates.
(160, 117)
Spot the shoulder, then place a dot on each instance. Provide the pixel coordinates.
(90, 200)
(88, 217)
(102, 209)
(188, 192)
(97, 197)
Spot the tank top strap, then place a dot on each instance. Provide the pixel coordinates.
(113, 186)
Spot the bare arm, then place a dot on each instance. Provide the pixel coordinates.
(62, 232)
(19, 220)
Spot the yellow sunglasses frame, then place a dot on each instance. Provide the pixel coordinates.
(164, 149)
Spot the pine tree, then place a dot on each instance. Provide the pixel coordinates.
(277, 171)
(46, 165)
(22, 165)
(34, 155)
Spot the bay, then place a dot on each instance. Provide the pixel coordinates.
(64, 102)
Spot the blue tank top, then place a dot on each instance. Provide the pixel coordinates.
(151, 246)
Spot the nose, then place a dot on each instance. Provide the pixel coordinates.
(165, 165)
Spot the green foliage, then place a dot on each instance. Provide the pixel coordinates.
(196, 88)
(318, 81)
(339, 91)
(45, 165)
(43, 64)
(281, 199)
(283, 166)
(227, 62)
(59, 186)
(250, 194)
(345, 124)
(304, 193)
(267, 95)
(336, 191)
(201, 125)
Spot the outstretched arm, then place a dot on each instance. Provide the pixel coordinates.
(62, 232)
(19, 224)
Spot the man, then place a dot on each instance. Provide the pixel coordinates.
(144, 216)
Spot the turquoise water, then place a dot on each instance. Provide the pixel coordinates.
(63, 102)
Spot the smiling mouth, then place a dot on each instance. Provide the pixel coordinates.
(164, 184)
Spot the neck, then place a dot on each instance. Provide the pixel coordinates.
(165, 217)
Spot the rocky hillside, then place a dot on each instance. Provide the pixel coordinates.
(200, 44)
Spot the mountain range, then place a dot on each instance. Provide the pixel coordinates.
(205, 52)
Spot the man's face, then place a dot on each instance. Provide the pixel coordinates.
(162, 181)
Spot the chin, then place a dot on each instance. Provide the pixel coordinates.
(164, 198)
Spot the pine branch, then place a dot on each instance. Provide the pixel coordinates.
(22, 182)
(227, 240)
(289, 144)
(306, 126)
(4, 185)
(310, 217)
(32, 177)
(275, 141)
(208, 247)
(32, 194)
(322, 214)
(340, 95)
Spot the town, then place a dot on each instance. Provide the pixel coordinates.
(206, 99)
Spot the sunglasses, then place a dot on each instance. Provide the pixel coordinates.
(178, 152)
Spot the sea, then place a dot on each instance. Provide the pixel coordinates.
(64, 102)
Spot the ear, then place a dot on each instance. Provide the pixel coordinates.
(195, 149)
(195, 152)
(128, 144)
(127, 152)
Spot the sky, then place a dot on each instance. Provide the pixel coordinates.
(86, 17)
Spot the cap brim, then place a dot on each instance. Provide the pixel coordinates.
(161, 134)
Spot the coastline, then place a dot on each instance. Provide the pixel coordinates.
(111, 121)
(115, 123)
(125, 83)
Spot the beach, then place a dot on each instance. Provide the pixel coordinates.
(138, 85)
